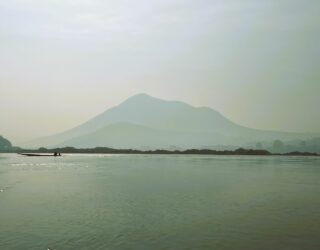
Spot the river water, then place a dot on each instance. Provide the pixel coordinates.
(159, 202)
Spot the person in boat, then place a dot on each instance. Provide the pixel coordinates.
(55, 154)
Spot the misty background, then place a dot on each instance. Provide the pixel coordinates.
(63, 62)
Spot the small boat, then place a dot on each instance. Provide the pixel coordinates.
(33, 154)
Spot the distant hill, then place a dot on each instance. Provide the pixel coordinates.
(143, 121)
(4, 143)
(127, 135)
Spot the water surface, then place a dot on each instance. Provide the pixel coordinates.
(159, 202)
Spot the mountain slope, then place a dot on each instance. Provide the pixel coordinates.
(127, 135)
(157, 116)
(5, 143)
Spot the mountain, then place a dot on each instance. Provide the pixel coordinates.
(145, 121)
(4, 143)
(126, 135)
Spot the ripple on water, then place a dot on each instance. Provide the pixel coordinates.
(169, 202)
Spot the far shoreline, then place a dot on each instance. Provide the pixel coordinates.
(105, 150)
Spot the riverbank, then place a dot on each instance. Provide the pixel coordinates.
(104, 150)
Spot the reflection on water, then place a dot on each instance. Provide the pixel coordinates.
(159, 202)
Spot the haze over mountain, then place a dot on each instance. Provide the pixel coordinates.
(64, 61)
(143, 121)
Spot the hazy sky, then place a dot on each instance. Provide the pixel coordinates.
(63, 62)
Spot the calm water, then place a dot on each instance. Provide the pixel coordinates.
(159, 202)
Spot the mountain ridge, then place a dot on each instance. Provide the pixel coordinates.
(163, 115)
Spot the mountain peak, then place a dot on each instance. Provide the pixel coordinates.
(141, 96)
(146, 100)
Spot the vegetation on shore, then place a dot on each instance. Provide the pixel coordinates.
(105, 150)
(6, 147)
